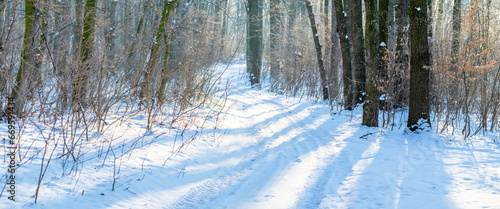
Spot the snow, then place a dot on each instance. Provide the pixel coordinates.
(274, 152)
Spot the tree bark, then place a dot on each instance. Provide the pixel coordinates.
(383, 34)
(401, 54)
(370, 107)
(334, 60)
(274, 26)
(27, 78)
(457, 27)
(80, 86)
(419, 63)
(319, 55)
(169, 8)
(346, 55)
(358, 54)
(3, 71)
(254, 41)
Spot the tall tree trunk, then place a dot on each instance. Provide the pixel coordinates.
(325, 15)
(346, 55)
(225, 13)
(334, 60)
(80, 86)
(383, 14)
(109, 41)
(274, 27)
(358, 47)
(370, 107)
(169, 8)
(419, 63)
(457, 27)
(401, 53)
(319, 55)
(455, 47)
(254, 41)
(27, 78)
(326, 25)
(4, 17)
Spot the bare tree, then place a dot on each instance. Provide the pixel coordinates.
(345, 46)
(319, 55)
(254, 40)
(420, 64)
(370, 107)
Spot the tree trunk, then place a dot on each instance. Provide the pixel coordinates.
(4, 15)
(326, 25)
(27, 78)
(254, 41)
(224, 28)
(110, 45)
(274, 26)
(457, 27)
(358, 55)
(419, 63)
(80, 86)
(401, 54)
(333, 89)
(169, 8)
(319, 55)
(383, 14)
(370, 107)
(346, 55)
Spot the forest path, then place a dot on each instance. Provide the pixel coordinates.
(287, 153)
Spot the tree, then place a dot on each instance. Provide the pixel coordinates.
(274, 27)
(346, 55)
(383, 34)
(224, 29)
(317, 44)
(419, 105)
(401, 62)
(80, 86)
(3, 73)
(167, 11)
(27, 78)
(254, 40)
(457, 26)
(370, 107)
(333, 77)
(355, 16)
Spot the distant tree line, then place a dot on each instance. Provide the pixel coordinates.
(388, 55)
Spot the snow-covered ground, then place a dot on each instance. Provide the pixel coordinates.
(274, 152)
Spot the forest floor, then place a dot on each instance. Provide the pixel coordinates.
(277, 152)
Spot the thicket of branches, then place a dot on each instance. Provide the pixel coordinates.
(77, 68)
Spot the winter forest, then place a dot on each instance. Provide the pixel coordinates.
(249, 104)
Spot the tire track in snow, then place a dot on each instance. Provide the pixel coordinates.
(236, 179)
(284, 142)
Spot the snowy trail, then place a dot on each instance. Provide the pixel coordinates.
(291, 154)
(277, 152)
(298, 157)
